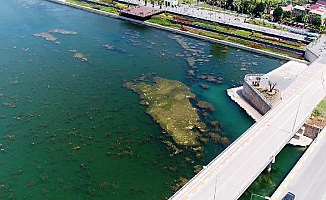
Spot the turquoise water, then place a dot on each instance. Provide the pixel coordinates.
(70, 130)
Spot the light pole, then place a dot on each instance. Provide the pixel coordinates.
(264, 197)
(296, 115)
(215, 187)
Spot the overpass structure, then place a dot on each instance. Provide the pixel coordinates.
(233, 171)
(307, 180)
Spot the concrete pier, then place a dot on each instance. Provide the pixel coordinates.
(283, 76)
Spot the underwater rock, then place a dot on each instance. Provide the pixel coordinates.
(189, 160)
(191, 61)
(108, 47)
(204, 86)
(79, 55)
(191, 73)
(197, 169)
(9, 105)
(172, 147)
(62, 31)
(218, 138)
(46, 36)
(202, 77)
(179, 183)
(205, 105)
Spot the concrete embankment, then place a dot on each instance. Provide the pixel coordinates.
(100, 12)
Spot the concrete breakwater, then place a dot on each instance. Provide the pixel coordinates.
(209, 39)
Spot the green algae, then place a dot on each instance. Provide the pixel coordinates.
(168, 103)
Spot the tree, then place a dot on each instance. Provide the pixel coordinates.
(251, 10)
(259, 9)
(245, 7)
(287, 15)
(271, 86)
(316, 21)
(299, 18)
(305, 19)
(229, 4)
(277, 13)
(160, 2)
(237, 5)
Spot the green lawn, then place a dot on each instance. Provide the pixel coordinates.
(320, 110)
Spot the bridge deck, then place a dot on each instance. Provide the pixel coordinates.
(232, 172)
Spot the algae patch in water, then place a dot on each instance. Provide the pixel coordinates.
(168, 103)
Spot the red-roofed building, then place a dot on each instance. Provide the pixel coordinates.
(288, 8)
(312, 6)
(321, 3)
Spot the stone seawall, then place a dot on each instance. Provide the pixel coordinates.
(92, 10)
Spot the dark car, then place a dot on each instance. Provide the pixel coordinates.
(289, 196)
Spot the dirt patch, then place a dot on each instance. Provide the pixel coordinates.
(317, 121)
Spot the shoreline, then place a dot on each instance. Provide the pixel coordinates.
(205, 38)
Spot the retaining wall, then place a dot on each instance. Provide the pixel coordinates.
(255, 99)
(310, 55)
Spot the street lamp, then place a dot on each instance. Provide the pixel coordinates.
(264, 197)
(215, 187)
(296, 115)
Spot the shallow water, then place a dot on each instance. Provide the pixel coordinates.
(69, 129)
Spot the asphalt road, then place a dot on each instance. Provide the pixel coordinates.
(233, 171)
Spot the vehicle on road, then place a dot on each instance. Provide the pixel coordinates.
(289, 196)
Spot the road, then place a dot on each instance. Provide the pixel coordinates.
(307, 180)
(218, 16)
(233, 171)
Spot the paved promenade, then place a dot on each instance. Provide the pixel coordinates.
(233, 171)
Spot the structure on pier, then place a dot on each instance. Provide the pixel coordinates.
(140, 12)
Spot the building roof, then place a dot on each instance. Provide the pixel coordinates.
(313, 6)
(141, 12)
(297, 7)
(288, 8)
(321, 2)
(320, 12)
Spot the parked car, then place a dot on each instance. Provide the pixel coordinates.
(289, 196)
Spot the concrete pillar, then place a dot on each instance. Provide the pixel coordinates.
(269, 167)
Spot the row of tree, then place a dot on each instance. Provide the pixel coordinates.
(279, 14)
(241, 6)
(258, 9)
